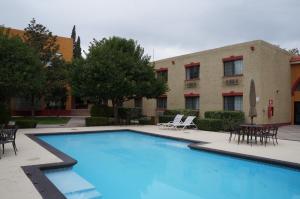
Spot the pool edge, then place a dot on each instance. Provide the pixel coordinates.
(49, 191)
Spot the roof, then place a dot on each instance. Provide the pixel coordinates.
(262, 42)
(295, 59)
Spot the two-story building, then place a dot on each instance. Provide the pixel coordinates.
(219, 79)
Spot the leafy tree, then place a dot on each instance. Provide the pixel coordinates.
(21, 72)
(294, 51)
(116, 69)
(41, 39)
(56, 84)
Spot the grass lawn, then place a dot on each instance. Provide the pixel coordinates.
(45, 120)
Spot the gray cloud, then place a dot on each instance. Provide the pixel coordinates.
(170, 27)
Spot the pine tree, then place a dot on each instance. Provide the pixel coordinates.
(77, 50)
(73, 36)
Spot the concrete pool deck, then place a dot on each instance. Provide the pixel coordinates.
(15, 184)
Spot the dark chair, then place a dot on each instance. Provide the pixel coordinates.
(271, 132)
(8, 135)
(234, 131)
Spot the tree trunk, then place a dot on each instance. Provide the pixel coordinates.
(32, 105)
(116, 115)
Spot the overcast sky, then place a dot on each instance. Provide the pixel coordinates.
(167, 27)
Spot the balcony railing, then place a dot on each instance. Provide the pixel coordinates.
(191, 84)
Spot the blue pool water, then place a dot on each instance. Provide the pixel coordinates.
(135, 166)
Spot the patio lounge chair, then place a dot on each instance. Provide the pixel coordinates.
(8, 135)
(188, 122)
(177, 120)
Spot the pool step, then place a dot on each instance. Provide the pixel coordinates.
(72, 185)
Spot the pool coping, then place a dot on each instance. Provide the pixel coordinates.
(49, 191)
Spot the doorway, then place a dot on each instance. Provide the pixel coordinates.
(297, 113)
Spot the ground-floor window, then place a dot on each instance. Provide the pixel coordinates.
(161, 103)
(233, 103)
(192, 103)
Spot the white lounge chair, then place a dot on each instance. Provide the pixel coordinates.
(176, 121)
(188, 122)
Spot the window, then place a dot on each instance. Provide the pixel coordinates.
(161, 103)
(192, 72)
(163, 75)
(192, 103)
(233, 103)
(232, 68)
(138, 102)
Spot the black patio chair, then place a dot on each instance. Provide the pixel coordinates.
(234, 131)
(271, 132)
(8, 135)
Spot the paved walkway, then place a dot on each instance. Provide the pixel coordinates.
(291, 132)
(14, 184)
(73, 122)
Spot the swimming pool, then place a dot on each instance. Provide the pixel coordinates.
(137, 166)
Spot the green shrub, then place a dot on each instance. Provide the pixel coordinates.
(209, 124)
(186, 112)
(165, 118)
(147, 120)
(98, 121)
(101, 111)
(23, 124)
(129, 113)
(230, 119)
(4, 114)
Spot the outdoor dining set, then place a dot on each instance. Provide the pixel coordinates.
(8, 136)
(255, 133)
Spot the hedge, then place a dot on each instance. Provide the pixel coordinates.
(186, 112)
(209, 124)
(4, 114)
(165, 118)
(230, 119)
(129, 113)
(23, 124)
(101, 111)
(147, 120)
(106, 111)
(98, 121)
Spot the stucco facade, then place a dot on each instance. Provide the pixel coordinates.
(295, 81)
(266, 64)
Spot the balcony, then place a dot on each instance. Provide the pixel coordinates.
(191, 84)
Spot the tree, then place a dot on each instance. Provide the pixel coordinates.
(20, 68)
(76, 44)
(73, 35)
(294, 51)
(77, 51)
(116, 69)
(41, 39)
(55, 93)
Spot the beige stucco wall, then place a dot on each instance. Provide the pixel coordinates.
(266, 64)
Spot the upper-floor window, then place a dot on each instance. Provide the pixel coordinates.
(192, 72)
(162, 74)
(161, 103)
(192, 102)
(233, 103)
(233, 67)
